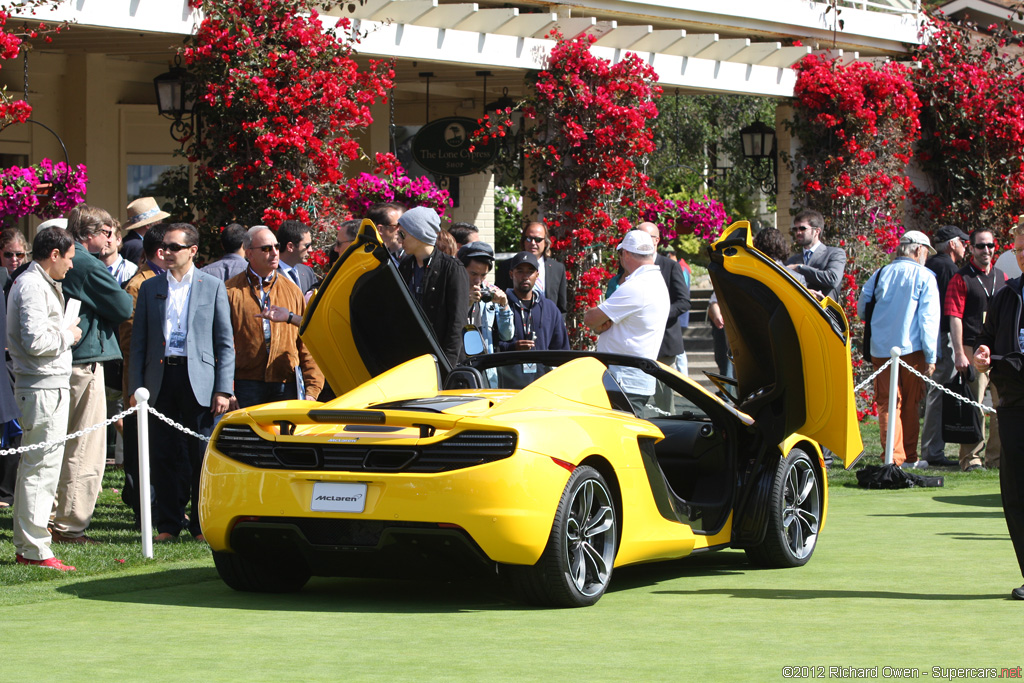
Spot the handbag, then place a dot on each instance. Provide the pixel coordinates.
(869, 308)
(961, 422)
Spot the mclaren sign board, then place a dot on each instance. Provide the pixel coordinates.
(443, 147)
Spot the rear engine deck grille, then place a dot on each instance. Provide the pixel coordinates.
(465, 449)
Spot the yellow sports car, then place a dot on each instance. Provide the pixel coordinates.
(535, 465)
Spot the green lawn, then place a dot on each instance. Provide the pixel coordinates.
(914, 578)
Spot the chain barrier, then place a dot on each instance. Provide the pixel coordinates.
(82, 432)
(102, 425)
(857, 389)
(963, 399)
(928, 380)
(180, 428)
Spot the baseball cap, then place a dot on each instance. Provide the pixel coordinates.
(948, 232)
(478, 250)
(637, 242)
(521, 258)
(917, 237)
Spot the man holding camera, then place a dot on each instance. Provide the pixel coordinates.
(488, 306)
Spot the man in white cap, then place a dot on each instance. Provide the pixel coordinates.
(438, 281)
(906, 314)
(632, 320)
(143, 214)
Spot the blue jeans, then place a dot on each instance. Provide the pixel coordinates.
(253, 392)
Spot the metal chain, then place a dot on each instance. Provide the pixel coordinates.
(82, 432)
(963, 399)
(875, 374)
(75, 435)
(182, 428)
(928, 380)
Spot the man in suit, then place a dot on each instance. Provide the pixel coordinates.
(295, 240)
(182, 351)
(821, 266)
(233, 261)
(551, 280)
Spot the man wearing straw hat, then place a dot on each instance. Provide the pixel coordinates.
(143, 214)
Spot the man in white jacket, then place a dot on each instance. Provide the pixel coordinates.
(40, 339)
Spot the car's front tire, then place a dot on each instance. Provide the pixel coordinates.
(245, 575)
(794, 514)
(576, 566)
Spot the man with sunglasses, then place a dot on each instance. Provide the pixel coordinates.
(183, 352)
(822, 266)
(1000, 350)
(267, 354)
(968, 296)
(385, 216)
(551, 280)
(13, 253)
(104, 307)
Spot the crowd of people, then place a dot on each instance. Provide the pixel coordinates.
(97, 313)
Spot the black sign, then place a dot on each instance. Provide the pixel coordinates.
(442, 147)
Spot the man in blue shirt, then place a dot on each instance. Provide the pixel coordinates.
(906, 315)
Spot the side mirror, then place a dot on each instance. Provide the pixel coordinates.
(473, 340)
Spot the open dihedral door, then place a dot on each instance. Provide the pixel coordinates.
(791, 352)
(363, 320)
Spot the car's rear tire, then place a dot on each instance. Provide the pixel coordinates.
(794, 514)
(245, 575)
(576, 566)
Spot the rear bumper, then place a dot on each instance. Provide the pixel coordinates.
(500, 511)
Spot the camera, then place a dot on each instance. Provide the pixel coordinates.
(486, 295)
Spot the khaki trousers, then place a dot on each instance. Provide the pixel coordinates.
(44, 417)
(81, 476)
(970, 453)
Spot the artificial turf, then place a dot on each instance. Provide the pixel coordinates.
(917, 578)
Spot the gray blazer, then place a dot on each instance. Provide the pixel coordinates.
(307, 277)
(825, 270)
(210, 344)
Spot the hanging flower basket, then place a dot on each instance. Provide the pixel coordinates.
(46, 190)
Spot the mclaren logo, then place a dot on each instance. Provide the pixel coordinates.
(340, 499)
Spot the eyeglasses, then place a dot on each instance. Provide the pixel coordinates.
(800, 228)
(401, 235)
(174, 247)
(266, 248)
(986, 245)
(14, 254)
(305, 245)
(535, 240)
(106, 232)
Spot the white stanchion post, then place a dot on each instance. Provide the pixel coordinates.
(145, 502)
(894, 387)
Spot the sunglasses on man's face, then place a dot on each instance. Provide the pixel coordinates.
(14, 254)
(267, 248)
(173, 247)
(985, 245)
(535, 240)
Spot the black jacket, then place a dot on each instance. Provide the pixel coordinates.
(554, 280)
(679, 303)
(445, 299)
(1000, 334)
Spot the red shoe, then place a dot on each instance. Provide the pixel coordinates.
(52, 563)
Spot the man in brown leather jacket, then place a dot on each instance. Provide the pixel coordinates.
(266, 354)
